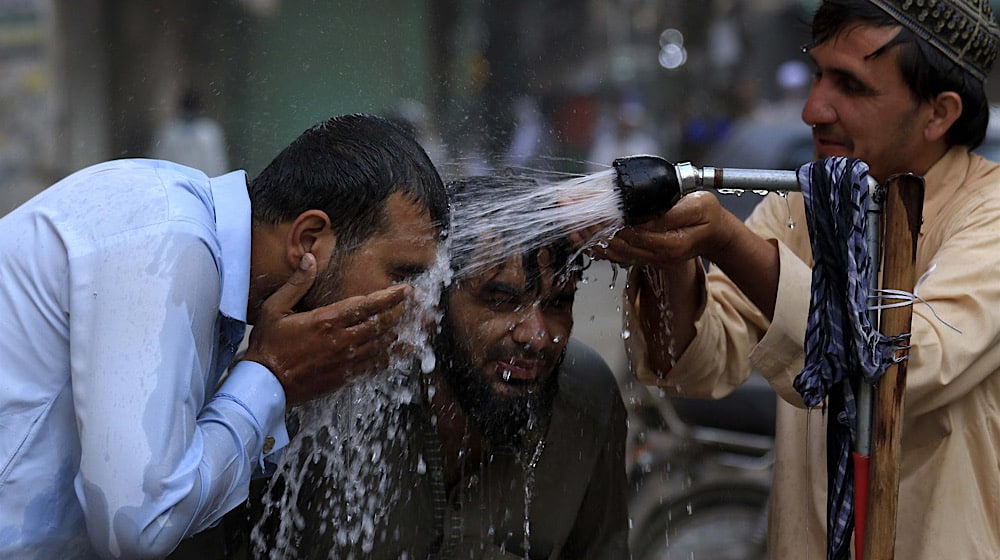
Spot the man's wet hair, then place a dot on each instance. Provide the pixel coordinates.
(471, 229)
(348, 166)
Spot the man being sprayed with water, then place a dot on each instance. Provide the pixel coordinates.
(898, 85)
(512, 445)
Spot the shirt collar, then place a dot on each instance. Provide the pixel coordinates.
(943, 179)
(232, 225)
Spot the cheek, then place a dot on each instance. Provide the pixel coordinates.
(560, 328)
(362, 278)
(483, 335)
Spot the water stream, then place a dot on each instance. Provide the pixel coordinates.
(338, 464)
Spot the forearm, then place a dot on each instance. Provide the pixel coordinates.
(671, 299)
(752, 263)
(186, 478)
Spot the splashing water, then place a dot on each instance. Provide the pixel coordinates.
(664, 336)
(788, 208)
(523, 216)
(529, 464)
(346, 442)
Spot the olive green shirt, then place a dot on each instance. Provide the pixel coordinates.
(571, 483)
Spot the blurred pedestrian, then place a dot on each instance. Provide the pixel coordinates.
(622, 133)
(192, 139)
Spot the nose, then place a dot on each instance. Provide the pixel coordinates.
(531, 329)
(817, 109)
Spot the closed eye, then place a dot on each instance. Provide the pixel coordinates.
(407, 274)
(502, 296)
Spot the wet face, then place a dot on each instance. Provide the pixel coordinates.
(503, 339)
(859, 106)
(404, 249)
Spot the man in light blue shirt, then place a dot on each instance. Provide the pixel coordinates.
(125, 290)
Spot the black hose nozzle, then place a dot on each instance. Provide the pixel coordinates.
(649, 186)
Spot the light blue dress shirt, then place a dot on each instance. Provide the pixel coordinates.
(123, 295)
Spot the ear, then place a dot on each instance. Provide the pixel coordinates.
(310, 232)
(945, 110)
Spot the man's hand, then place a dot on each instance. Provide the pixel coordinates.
(696, 226)
(671, 295)
(316, 352)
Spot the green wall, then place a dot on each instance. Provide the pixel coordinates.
(313, 59)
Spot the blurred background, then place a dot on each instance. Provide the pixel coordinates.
(553, 84)
(563, 86)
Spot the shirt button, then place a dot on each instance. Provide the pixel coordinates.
(268, 444)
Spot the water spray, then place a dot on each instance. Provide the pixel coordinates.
(650, 185)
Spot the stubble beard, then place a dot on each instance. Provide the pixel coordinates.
(327, 288)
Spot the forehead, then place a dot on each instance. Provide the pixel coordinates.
(853, 47)
(539, 269)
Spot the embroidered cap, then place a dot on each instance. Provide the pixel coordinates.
(964, 30)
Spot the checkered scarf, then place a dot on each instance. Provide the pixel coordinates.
(841, 343)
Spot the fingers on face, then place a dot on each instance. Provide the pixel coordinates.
(380, 327)
(385, 304)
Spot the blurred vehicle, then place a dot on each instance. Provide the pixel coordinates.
(700, 474)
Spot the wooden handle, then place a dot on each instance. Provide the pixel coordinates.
(904, 197)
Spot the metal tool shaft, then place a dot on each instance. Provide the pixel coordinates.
(693, 178)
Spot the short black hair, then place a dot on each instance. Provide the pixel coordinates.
(926, 71)
(348, 166)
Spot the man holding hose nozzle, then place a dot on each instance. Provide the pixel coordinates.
(899, 86)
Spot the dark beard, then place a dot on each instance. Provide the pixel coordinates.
(504, 420)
